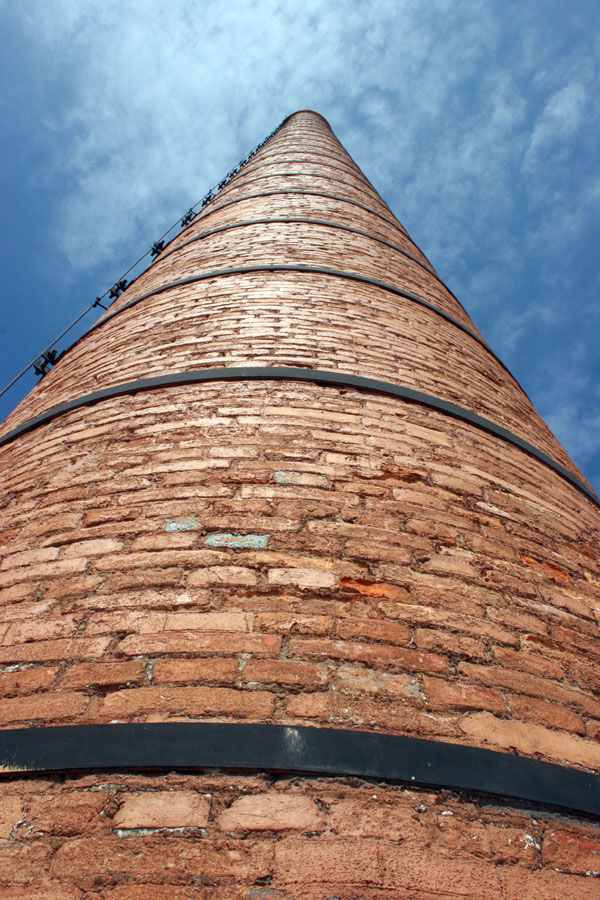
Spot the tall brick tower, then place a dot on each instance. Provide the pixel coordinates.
(300, 595)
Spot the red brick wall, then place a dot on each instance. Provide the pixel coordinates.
(294, 553)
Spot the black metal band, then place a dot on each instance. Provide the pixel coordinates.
(308, 270)
(273, 159)
(316, 376)
(211, 209)
(303, 221)
(243, 181)
(349, 166)
(194, 746)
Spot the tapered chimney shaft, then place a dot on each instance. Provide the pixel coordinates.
(300, 594)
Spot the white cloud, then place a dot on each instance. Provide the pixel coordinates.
(561, 117)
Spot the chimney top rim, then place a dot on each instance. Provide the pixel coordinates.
(311, 112)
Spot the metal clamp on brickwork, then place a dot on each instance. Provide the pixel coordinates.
(117, 289)
(157, 248)
(43, 363)
(190, 214)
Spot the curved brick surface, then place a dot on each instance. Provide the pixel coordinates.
(299, 554)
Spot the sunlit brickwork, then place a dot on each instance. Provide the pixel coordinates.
(299, 554)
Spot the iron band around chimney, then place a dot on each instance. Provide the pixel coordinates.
(309, 270)
(316, 376)
(298, 750)
(276, 159)
(347, 184)
(368, 209)
(302, 221)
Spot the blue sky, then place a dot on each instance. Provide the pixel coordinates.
(478, 122)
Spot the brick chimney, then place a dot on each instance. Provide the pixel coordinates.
(300, 594)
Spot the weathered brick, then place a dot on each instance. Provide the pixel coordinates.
(305, 579)
(92, 548)
(40, 651)
(27, 681)
(356, 863)
(195, 671)
(272, 812)
(162, 809)
(29, 557)
(374, 629)
(572, 850)
(45, 628)
(442, 694)
(111, 674)
(199, 642)
(292, 623)
(531, 739)
(11, 811)
(75, 812)
(191, 701)
(226, 575)
(58, 706)
(285, 671)
(376, 654)
(100, 862)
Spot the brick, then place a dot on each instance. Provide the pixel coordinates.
(454, 644)
(82, 675)
(199, 642)
(58, 706)
(374, 629)
(443, 694)
(26, 681)
(163, 809)
(544, 884)
(305, 579)
(376, 654)
(368, 817)
(574, 850)
(165, 559)
(125, 620)
(24, 864)
(523, 683)
(55, 569)
(92, 548)
(545, 713)
(74, 812)
(10, 814)
(357, 864)
(285, 671)
(531, 740)
(102, 861)
(290, 623)
(382, 684)
(366, 712)
(40, 651)
(226, 575)
(191, 701)
(29, 557)
(43, 890)
(197, 671)
(375, 589)
(272, 812)
(216, 621)
(45, 628)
